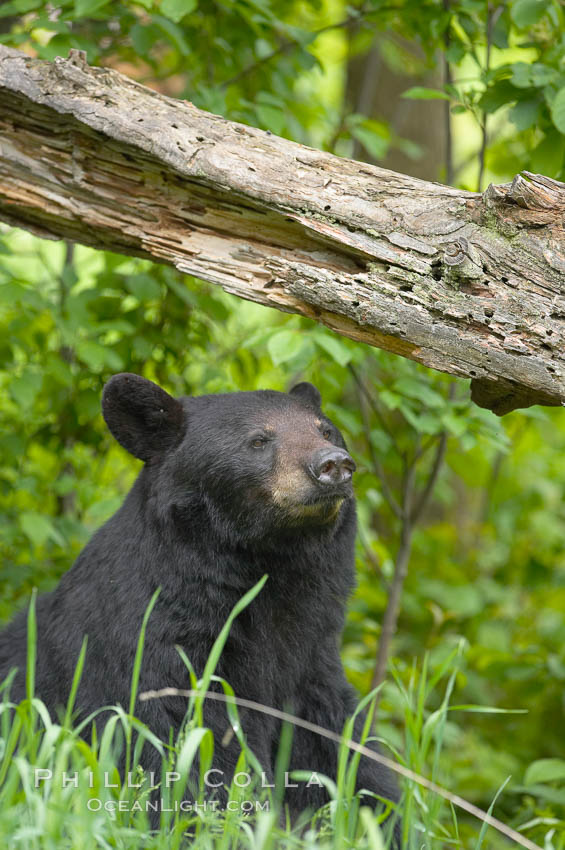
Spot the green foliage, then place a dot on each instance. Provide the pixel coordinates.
(485, 593)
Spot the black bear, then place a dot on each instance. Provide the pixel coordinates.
(233, 487)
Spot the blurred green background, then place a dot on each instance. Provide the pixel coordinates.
(462, 92)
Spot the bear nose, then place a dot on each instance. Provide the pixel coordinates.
(332, 466)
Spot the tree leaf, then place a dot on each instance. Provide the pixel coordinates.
(144, 287)
(558, 110)
(547, 158)
(497, 95)
(542, 74)
(335, 347)
(374, 142)
(424, 423)
(422, 93)
(525, 114)
(175, 10)
(413, 388)
(39, 528)
(174, 33)
(456, 425)
(97, 356)
(84, 8)
(545, 770)
(284, 345)
(25, 388)
(521, 75)
(271, 117)
(524, 13)
(19, 7)
(390, 399)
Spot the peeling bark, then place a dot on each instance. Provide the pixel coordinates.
(470, 284)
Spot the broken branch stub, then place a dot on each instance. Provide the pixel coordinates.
(470, 284)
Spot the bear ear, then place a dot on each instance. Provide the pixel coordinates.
(142, 417)
(308, 394)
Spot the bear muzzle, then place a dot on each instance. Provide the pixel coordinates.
(332, 467)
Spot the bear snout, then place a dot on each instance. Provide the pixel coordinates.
(332, 466)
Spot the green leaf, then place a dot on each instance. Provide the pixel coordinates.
(424, 423)
(422, 93)
(456, 425)
(38, 529)
(347, 420)
(88, 405)
(544, 792)
(97, 356)
(525, 114)
(412, 388)
(499, 94)
(547, 158)
(271, 117)
(100, 511)
(143, 38)
(175, 10)
(25, 388)
(334, 346)
(390, 399)
(284, 345)
(13, 293)
(521, 75)
(181, 291)
(84, 8)
(558, 110)
(501, 32)
(545, 770)
(173, 33)
(58, 369)
(410, 148)
(462, 600)
(142, 348)
(144, 287)
(524, 13)
(19, 7)
(381, 440)
(12, 445)
(542, 74)
(374, 141)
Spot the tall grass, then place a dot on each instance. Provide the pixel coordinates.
(61, 790)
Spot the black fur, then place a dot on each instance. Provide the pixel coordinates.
(224, 497)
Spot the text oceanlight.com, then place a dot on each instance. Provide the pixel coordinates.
(95, 804)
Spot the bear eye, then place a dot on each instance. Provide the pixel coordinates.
(326, 433)
(259, 442)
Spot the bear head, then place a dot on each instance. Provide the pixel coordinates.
(255, 462)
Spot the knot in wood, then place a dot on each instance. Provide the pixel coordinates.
(456, 252)
(462, 262)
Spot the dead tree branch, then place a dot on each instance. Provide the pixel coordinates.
(470, 284)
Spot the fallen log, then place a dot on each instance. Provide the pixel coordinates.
(470, 284)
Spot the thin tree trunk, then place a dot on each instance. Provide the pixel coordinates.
(447, 81)
(390, 619)
(375, 89)
(410, 511)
